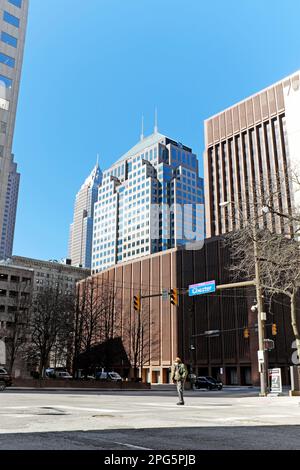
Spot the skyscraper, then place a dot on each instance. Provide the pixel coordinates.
(13, 21)
(81, 230)
(149, 201)
(252, 148)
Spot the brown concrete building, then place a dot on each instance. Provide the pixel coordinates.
(250, 150)
(169, 331)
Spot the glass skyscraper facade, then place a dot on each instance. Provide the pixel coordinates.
(13, 21)
(81, 229)
(145, 201)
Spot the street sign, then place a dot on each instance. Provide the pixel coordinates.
(202, 288)
(165, 294)
(269, 344)
(261, 357)
(275, 380)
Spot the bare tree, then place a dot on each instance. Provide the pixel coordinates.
(275, 230)
(51, 324)
(137, 336)
(97, 318)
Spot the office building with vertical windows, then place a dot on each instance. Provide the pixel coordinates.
(252, 149)
(149, 201)
(81, 229)
(13, 20)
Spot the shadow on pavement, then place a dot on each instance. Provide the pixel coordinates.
(180, 438)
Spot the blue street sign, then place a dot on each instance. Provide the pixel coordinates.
(202, 288)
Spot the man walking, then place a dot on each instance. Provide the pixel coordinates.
(179, 374)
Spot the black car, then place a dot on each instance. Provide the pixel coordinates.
(5, 379)
(209, 383)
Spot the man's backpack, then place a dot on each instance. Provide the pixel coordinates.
(182, 370)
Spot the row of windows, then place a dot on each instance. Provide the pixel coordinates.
(7, 60)
(9, 39)
(3, 127)
(16, 3)
(4, 277)
(184, 157)
(12, 293)
(7, 82)
(11, 19)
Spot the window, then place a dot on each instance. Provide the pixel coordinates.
(7, 60)
(11, 19)
(3, 127)
(1, 150)
(8, 39)
(7, 81)
(17, 3)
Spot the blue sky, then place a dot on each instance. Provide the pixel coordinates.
(92, 67)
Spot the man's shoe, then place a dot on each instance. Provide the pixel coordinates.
(180, 403)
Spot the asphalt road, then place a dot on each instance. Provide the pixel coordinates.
(150, 420)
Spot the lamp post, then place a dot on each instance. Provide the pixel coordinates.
(260, 313)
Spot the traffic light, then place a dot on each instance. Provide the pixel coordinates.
(274, 329)
(137, 303)
(174, 297)
(246, 333)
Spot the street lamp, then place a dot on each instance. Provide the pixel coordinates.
(260, 313)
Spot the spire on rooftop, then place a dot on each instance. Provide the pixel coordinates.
(142, 134)
(155, 122)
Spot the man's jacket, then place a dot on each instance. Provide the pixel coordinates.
(179, 372)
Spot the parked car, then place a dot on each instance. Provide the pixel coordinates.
(5, 379)
(62, 375)
(49, 372)
(108, 376)
(209, 383)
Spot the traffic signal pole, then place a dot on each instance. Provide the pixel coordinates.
(262, 357)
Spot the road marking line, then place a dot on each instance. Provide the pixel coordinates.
(172, 406)
(132, 446)
(43, 407)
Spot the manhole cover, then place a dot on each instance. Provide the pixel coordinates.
(103, 416)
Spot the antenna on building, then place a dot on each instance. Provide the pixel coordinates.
(97, 162)
(142, 134)
(155, 122)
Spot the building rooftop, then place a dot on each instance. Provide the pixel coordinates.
(94, 177)
(141, 145)
(253, 95)
(23, 261)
